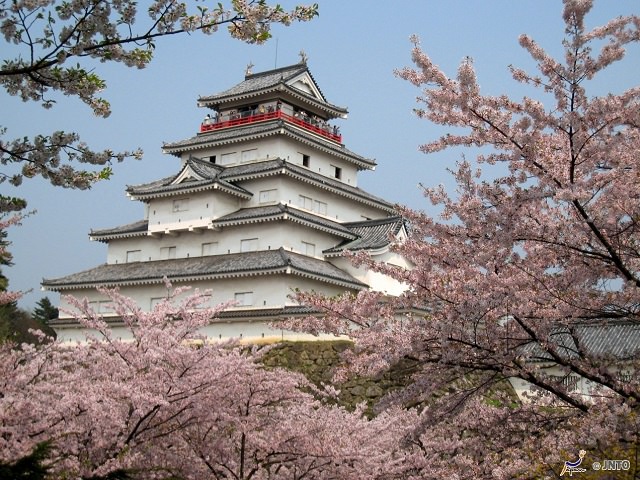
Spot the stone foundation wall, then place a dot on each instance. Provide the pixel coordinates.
(317, 361)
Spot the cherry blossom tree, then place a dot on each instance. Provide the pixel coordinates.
(165, 403)
(56, 46)
(516, 266)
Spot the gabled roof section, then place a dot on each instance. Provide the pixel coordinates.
(295, 80)
(371, 235)
(266, 129)
(234, 265)
(196, 175)
(281, 211)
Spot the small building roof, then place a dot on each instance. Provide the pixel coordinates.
(619, 339)
(231, 265)
(285, 81)
(371, 235)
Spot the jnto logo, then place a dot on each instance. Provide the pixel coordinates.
(574, 467)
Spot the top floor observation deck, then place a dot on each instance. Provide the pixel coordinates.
(263, 113)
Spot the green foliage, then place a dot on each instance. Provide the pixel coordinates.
(15, 324)
(44, 311)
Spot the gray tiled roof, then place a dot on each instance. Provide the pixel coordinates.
(259, 81)
(139, 227)
(263, 129)
(242, 172)
(230, 176)
(201, 268)
(244, 215)
(268, 81)
(372, 234)
(281, 211)
(618, 339)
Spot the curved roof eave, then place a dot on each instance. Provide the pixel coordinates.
(287, 270)
(277, 127)
(216, 102)
(210, 185)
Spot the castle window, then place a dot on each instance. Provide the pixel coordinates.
(306, 160)
(248, 155)
(228, 158)
(167, 253)
(154, 301)
(181, 205)
(337, 172)
(243, 299)
(267, 196)
(308, 249)
(320, 207)
(212, 159)
(249, 245)
(209, 248)
(133, 255)
(305, 202)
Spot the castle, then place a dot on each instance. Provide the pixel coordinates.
(265, 200)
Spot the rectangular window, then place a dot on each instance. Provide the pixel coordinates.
(306, 160)
(205, 302)
(308, 249)
(249, 245)
(267, 196)
(105, 306)
(305, 202)
(167, 253)
(570, 382)
(181, 205)
(243, 299)
(209, 248)
(155, 301)
(248, 155)
(228, 158)
(134, 256)
(320, 207)
(212, 159)
(337, 172)
(102, 306)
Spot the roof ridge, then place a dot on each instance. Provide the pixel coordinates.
(284, 255)
(375, 221)
(275, 70)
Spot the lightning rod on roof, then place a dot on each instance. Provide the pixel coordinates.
(275, 63)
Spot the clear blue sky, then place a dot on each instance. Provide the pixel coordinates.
(353, 48)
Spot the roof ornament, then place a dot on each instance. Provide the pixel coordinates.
(248, 70)
(303, 57)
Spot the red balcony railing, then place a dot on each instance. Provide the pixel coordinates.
(318, 127)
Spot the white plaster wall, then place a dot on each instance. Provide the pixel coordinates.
(376, 281)
(247, 331)
(583, 386)
(202, 207)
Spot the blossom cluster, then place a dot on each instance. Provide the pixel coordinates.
(58, 42)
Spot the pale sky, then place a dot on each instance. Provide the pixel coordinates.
(353, 48)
